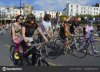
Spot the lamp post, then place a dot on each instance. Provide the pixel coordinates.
(20, 7)
(1, 16)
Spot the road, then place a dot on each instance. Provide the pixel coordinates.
(62, 60)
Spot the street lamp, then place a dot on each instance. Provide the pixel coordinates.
(1, 16)
(20, 7)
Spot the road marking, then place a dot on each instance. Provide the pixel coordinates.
(6, 45)
(53, 64)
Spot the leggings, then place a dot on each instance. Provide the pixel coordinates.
(22, 44)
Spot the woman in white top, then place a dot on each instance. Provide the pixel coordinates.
(46, 26)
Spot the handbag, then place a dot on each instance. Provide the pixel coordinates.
(17, 39)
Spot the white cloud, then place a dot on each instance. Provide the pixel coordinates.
(56, 4)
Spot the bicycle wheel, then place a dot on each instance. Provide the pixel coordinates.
(91, 51)
(50, 50)
(61, 46)
(15, 61)
(42, 62)
(11, 49)
(80, 52)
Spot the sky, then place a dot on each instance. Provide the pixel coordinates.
(47, 4)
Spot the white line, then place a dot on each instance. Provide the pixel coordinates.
(53, 64)
(6, 45)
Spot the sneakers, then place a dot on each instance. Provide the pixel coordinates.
(30, 55)
(16, 56)
(96, 51)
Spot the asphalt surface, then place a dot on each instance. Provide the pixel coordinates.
(62, 60)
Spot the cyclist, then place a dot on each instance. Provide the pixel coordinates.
(16, 35)
(75, 28)
(46, 26)
(28, 28)
(89, 31)
(64, 30)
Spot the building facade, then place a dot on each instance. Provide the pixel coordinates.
(41, 13)
(75, 9)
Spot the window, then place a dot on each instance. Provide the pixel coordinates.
(81, 7)
(71, 10)
(84, 11)
(94, 8)
(81, 11)
(77, 6)
(77, 10)
(71, 5)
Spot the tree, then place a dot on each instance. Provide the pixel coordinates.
(97, 5)
(64, 16)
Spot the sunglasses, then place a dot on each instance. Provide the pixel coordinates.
(64, 22)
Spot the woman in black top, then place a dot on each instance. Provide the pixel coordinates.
(28, 29)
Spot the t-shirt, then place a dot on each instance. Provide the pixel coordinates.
(89, 29)
(45, 24)
(29, 29)
(55, 21)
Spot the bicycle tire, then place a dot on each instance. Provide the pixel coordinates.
(15, 61)
(50, 50)
(60, 43)
(80, 53)
(91, 52)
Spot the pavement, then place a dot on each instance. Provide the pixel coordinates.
(61, 60)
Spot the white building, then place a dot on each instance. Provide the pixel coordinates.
(40, 13)
(74, 9)
(9, 12)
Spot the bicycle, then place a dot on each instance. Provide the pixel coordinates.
(74, 45)
(50, 49)
(87, 49)
(25, 59)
